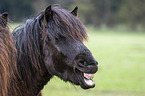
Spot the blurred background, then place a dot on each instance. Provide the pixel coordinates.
(116, 30)
(99, 13)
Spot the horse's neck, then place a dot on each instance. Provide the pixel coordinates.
(30, 80)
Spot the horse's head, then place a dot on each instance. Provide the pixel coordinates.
(65, 55)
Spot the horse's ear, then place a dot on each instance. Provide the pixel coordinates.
(75, 11)
(48, 13)
(4, 16)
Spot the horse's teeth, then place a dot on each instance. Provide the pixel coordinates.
(88, 76)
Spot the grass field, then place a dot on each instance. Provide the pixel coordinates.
(121, 57)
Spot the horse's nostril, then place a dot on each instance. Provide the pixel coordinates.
(81, 63)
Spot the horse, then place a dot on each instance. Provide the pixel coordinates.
(51, 44)
(7, 55)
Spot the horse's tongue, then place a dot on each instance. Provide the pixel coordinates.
(89, 82)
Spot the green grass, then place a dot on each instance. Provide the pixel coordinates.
(121, 57)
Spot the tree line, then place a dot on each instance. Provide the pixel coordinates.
(92, 12)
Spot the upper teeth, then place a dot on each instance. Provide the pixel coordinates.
(88, 76)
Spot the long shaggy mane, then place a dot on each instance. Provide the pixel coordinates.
(7, 57)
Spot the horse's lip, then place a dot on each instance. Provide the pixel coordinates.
(88, 69)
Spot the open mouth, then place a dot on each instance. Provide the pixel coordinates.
(88, 78)
(86, 74)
